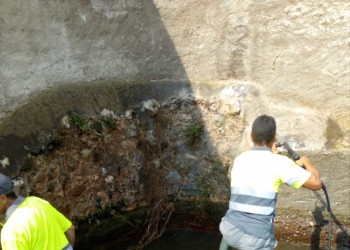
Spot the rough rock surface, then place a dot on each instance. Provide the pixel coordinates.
(185, 150)
(88, 169)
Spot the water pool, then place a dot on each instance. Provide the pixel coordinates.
(201, 240)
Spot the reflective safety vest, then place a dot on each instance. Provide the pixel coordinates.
(34, 223)
(253, 201)
(255, 180)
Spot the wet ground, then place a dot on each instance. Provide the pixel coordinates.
(203, 240)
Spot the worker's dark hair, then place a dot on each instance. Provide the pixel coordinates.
(264, 129)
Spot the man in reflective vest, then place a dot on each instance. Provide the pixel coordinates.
(32, 223)
(255, 179)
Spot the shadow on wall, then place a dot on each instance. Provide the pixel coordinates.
(322, 224)
(117, 50)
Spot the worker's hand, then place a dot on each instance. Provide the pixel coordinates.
(304, 161)
(274, 149)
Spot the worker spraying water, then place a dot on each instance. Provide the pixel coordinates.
(255, 180)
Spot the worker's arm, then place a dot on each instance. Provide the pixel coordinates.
(314, 182)
(70, 234)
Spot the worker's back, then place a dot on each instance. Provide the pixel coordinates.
(35, 224)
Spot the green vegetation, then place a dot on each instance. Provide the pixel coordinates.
(217, 164)
(79, 121)
(104, 213)
(219, 167)
(57, 139)
(193, 133)
(205, 205)
(204, 189)
(126, 202)
(108, 121)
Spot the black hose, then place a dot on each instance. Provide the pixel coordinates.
(296, 157)
(330, 217)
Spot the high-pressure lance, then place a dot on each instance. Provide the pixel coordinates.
(296, 157)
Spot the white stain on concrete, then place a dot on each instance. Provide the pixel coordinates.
(5, 162)
(110, 9)
(82, 15)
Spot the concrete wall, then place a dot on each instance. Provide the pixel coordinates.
(48, 43)
(296, 51)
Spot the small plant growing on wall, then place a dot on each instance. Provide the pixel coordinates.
(79, 121)
(193, 133)
(108, 121)
(57, 139)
